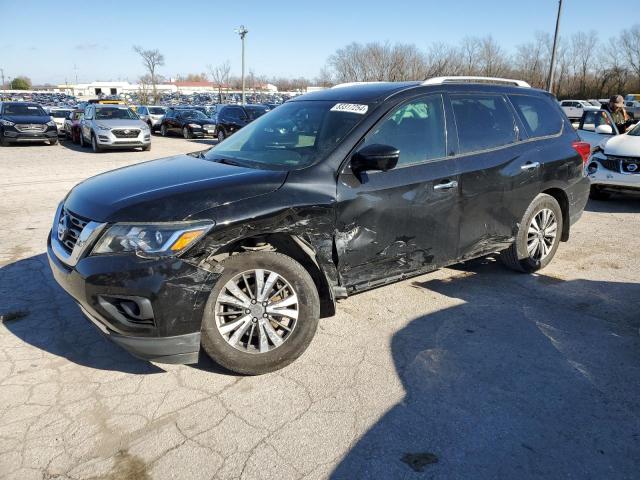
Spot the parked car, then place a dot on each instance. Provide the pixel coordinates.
(632, 105)
(59, 115)
(113, 126)
(241, 249)
(189, 123)
(231, 118)
(575, 108)
(72, 125)
(615, 161)
(26, 122)
(152, 115)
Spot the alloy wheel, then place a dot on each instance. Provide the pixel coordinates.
(256, 311)
(541, 234)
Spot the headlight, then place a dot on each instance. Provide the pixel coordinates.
(155, 239)
(7, 123)
(195, 125)
(102, 127)
(51, 123)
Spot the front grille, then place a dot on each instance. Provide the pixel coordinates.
(69, 228)
(610, 164)
(31, 127)
(622, 164)
(126, 133)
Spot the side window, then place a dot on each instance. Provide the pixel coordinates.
(483, 121)
(539, 115)
(593, 119)
(416, 128)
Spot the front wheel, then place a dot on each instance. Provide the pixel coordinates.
(538, 236)
(82, 142)
(221, 135)
(163, 130)
(186, 133)
(94, 144)
(262, 313)
(53, 141)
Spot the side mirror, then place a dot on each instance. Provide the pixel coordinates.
(375, 157)
(604, 130)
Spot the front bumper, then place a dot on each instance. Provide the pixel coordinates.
(605, 177)
(106, 139)
(15, 136)
(175, 290)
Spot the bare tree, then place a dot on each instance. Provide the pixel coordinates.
(531, 61)
(492, 61)
(583, 48)
(469, 51)
(151, 59)
(630, 42)
(220, 76)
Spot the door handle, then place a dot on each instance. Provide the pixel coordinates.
(446, 186)
(530, 166)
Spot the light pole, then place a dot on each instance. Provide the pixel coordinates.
(552, 67)
(242, 31)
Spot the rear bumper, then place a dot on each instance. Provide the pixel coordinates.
(578, 196)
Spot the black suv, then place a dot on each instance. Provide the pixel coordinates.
(231, 118)
(190, 123)
(241, 249)
(26, 122)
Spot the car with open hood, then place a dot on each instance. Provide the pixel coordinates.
(239, 250)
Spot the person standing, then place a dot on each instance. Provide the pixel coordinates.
(618, 113)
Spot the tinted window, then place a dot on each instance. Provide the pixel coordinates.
(538, 114)
(115, 113)
(29, 110)
(483, 121)
(417, 129)
(142, 111)
(156, 110)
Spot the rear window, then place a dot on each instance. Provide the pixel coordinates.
(483, 121)
(538, 114)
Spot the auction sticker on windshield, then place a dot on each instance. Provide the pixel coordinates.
(350, 107)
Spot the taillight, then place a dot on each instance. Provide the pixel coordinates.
(583, 149)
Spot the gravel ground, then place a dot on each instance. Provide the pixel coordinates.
(469, 372)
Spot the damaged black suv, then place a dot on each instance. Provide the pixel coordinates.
(241, 249)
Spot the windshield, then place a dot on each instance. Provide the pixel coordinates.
(115, 113)
(60, 113)
(26, 110)
(295, 135)
(635, 131)
(156, 110)
(255, 111)
(195, 114)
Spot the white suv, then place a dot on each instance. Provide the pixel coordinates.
(575, 108)
(152, 114)
(113, 126)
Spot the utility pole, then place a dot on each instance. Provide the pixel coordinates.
(242, 31)
(75, 68)
(2, 74)
(552, 67)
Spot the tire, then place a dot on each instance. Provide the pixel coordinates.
(163, 130)
(246, 357)
(53, 141)
(147, 148)
(83, 144)
(221, 135)
(186, 133)
(597, 193)
(518, 256)
(3, 141)
(94, 144)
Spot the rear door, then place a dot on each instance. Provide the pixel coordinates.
(406, 219)
(499, 173)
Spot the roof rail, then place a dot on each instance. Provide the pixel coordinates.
(350, 84)
(471, 79)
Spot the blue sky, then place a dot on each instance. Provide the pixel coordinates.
(42, 40)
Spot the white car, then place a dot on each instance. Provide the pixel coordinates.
(575, 108)
(59, 115)
(152, 115)
(614, 164)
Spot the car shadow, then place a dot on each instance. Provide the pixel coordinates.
(68, 143)
(35, 309)
(618, 203)
(528, 376)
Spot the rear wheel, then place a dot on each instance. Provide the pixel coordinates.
(597, 193)
(538, 236)
(262, 313)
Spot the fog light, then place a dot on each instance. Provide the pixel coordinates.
(593, 166)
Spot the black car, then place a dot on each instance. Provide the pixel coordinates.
(26, 122)
(241, 249)
(231, 118)
(190, 123)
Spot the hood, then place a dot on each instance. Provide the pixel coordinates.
(27, 118)
(169, 189)
(623, 146)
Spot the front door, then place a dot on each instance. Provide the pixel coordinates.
(406, 219)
